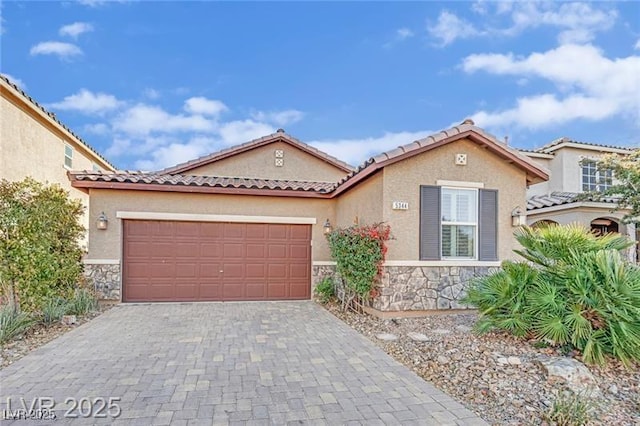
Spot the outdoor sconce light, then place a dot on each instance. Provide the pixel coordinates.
(518, 218)
(327, 227)
(102, 223)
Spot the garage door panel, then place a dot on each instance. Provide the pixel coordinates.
(255, 231)
(277, 271)
(234, 231)
(187, 270)
(255, 270)
(278, 232)
(299, 251)
(211, 250)
(233, 251)
(190, 261)
(233, 270)
(301, 233)
(255, 251)
(277, 251)
(277, 290)
(299, 290)
(298, 271)
(210, 270)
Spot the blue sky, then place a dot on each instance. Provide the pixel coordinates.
(151, 84)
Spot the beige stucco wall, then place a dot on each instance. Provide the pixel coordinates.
(362, 203)
(260, 163)
(402, 183)
(107, 244)
(31, 145)
(541, 188)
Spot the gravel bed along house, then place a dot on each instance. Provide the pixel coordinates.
(497, 376)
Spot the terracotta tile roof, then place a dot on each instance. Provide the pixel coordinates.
(172, 179)
(280, 135)
(467, 128)
(569, 140)
(51, 115)
(132, 177)
(560, 198)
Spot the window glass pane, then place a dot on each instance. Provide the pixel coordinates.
(68, 151)
(459, 205)
(458, 241)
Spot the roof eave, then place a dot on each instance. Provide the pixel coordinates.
(195, 189)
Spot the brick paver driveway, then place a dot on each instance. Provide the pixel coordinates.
(218, 363)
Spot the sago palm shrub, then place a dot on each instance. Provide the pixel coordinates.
(575, 289)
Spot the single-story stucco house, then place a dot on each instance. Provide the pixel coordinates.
(246, 223)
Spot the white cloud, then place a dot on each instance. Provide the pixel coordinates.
(597, 87)
(204, 106)
(404, 33)
(450, 28)
(151, 93)
(97, 128)
(88, 102)
(280, 118)
(118, 147)
(239, 131)
(355, 151)
(15, 81)
(58, 48)
(176, 153)
(75, 29)
(637, 45)
(401, 34)
(98, 3)
(577, 22)
(142, 119)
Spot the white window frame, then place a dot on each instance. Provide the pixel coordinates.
(599, 175)
(70, 157)
(475, 224)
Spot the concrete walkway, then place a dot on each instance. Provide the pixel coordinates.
(262, 363)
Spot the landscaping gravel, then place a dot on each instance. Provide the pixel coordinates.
(497, 376)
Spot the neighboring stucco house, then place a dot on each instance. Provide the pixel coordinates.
(34, 143)
(247, 223)
(573, 170)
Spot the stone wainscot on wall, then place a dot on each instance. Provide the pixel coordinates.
(105, 279)
(417, 288)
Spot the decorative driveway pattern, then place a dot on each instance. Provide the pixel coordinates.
(260, 363)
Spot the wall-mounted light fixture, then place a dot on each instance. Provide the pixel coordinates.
(102, 223)
(518, 217)
(327, 227)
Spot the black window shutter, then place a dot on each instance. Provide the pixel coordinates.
(430, 223)
(488, 225)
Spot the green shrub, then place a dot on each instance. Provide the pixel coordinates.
(325, 289)
(359, 252)
(40, 254)
(83, 302)
(13, 323)
(569, 410)
(576, 290)
(53, 310)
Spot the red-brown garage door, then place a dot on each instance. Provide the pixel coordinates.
(190, 261)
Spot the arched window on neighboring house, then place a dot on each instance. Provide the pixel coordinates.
(544, 222)
(602, 225)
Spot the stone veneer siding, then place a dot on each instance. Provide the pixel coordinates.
(105, 279)
(417, 288)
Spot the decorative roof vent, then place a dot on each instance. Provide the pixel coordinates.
(280, 131)
(469, 121)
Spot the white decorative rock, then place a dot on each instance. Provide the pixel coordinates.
(418, 337)
(577, 376)
(69, 319)
(387, 337)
